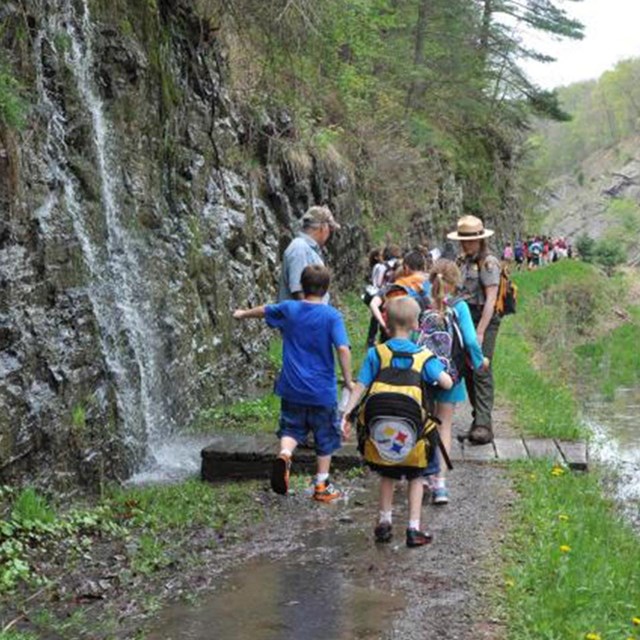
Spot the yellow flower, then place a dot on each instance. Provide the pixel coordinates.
(593, 636)
(565, 548)
(563, 517)
(557, 470)
(636, 621)
(509, 583)
(532, 476)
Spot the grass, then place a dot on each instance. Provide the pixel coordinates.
(157, 518)
(559, 307)
(572, 562)
(614, 359)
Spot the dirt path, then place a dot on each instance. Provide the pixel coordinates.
(313, 571)
(320, 574)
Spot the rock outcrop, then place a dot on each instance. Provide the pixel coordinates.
(136, 216)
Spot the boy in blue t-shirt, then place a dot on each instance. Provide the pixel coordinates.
(402, 319)
(307, 382)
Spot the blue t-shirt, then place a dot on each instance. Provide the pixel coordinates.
(309, 333)
(371, 365)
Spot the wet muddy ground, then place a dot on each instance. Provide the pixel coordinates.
(320, 574)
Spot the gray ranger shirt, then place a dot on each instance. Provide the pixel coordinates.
(476, 277)
(301, 252)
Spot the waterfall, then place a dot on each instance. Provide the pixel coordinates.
(117, 287)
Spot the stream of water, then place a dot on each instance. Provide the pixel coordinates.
(117, 288)
(616, 442)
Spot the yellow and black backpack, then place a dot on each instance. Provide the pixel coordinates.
(394, 426)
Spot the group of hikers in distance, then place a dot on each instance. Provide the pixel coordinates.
(536, 251)
(437, 334)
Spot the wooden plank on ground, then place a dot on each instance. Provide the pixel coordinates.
(479, 452)
(542, 448)
(575, 454)
(510, 449)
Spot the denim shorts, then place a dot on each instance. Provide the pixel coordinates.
(296, 420)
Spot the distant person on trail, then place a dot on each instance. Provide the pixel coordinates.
(307, 382)
(480, 281)
(317, 225)
(393, 376)
(378, 269)
(519, 254)
(453, 315)
(413, 281)
(507, 253)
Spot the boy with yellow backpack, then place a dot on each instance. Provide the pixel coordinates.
(395, 432)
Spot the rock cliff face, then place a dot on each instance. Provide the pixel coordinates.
(142, 203)
(134, 219)
(579, 203)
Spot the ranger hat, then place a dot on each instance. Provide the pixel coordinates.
(470, 228)
(319, 215)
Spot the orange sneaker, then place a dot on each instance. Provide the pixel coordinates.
(280, 474)
(325, 492)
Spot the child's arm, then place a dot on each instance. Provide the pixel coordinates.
(356, 393)
(469, 337)
(375, 305)
(255, 312)
(445, 381)
(344, 357)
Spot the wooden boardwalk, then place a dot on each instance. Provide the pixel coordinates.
(238, 456)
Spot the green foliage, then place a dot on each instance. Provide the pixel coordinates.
(16, 635)
(247, 416)
(604, 112)
(13, 106)
(571, 559)
(586, 247)
(609, 253)
(614, 359)
(534, 365)
(33, 522)
(30, 506)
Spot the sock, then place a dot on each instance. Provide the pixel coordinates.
(414, 524)
(285, 452)
(385, 516)
(321, 477)
(439, 483)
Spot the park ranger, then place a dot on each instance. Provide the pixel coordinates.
(480, 280)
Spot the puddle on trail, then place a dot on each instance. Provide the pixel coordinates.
(325, 589)
(281, 600)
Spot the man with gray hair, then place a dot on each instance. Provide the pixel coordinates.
(317, 224)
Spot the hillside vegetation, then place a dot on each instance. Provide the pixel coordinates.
(587, 170)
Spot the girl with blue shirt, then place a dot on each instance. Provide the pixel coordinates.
(445, 278)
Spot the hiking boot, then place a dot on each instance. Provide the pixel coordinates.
(417, 538)
(383, 532)
(480, 434)
(440, 495)
(325, 492)
(280, 474)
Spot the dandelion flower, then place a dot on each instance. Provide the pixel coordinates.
(593, 636)
(563, 517)
(565, 548)
(509, 583)
(636, 622)
(557, 470)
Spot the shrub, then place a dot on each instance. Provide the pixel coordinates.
(586, 246)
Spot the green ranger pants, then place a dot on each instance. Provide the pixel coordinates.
(480, 383)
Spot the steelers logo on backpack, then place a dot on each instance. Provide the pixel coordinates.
(394, 427)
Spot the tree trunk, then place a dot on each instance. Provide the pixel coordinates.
(418, 86)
